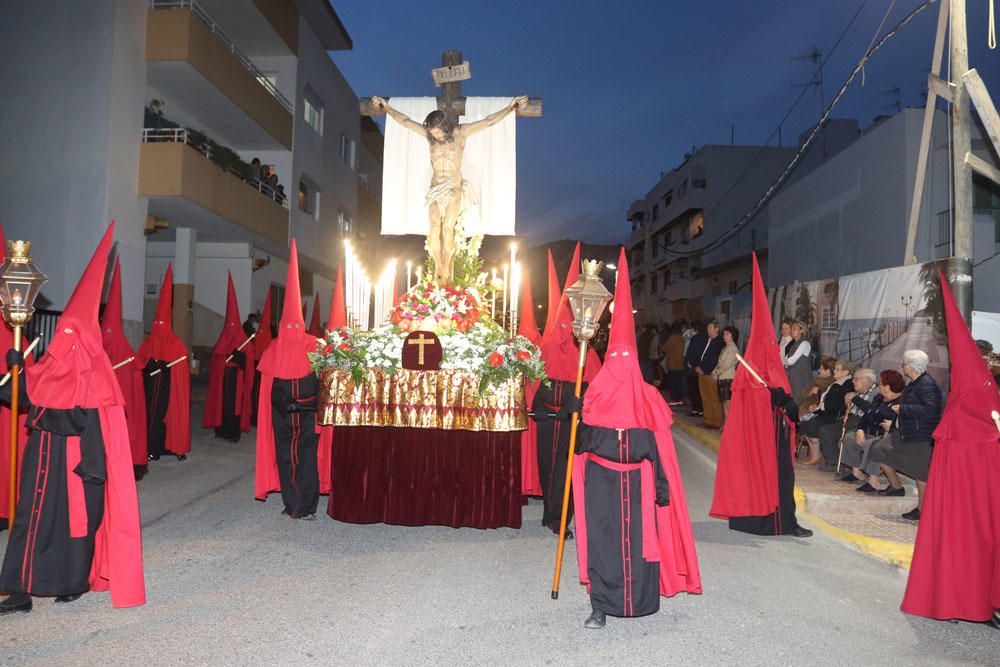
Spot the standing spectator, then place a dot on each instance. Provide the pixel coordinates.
(796, 359)
(707, 385)
(831, 409)
(697, 344)
(725, 370)
(673, 354)
(255, 170)
(908, 447)
(785, 336)
(646, 338)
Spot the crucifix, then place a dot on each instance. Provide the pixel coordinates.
(446, 138)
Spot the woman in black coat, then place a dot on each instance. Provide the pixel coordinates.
(831, 408)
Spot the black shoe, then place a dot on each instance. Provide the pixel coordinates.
(15, 602)
(892, 491)
(596, 620)
(866, 488)
(154, 457)
(554, 527)
(912, 515)
(801, 532)
(849, 477)
(307, 517)
(182, 457)
(140, 471)
(68, 598)
(995, 621)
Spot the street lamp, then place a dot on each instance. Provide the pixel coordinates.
(20, 282)
(587, 298)
(906, 301)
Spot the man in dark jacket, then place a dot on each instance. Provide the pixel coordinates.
(708, 359)
(908, 448)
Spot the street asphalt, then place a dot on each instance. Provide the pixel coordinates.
(232, 582)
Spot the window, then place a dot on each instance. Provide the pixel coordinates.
(347, 150)
(944, 227)
(697, 224)
(653, 286)
(277, 305)
(699, 183)
(829, 317)
(312, 111)
(656, 212)
(733, 287)
(670, 238)
(344, 223)
(669, 197)
(308, 198)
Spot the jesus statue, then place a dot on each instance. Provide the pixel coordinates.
(448, 191)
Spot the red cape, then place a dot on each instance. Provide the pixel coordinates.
(231, 337)
(746, 480)
(129, 376)
(619, 398)
(955, 571)
(76, 372)
(560, 351)
(163, 345)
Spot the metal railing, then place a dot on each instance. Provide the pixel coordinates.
(207, 19)
(862, 343)
(180, 135)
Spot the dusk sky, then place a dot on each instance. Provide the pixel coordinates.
(630, 86)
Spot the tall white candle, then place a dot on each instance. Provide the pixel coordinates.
(506, 287)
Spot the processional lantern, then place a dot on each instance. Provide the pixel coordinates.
(588, 297)
(20, 282)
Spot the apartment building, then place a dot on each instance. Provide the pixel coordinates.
(213, 131)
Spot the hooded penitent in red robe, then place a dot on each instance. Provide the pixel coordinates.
(955, 571)
(168, 393)
(6, 343)
(77, 521)
(561, 356)
(554, 294)
(336, 320)
(530, 482)
(230, 383)
(315, 326)
(754, 482)
(627, 487)
(260, 343)
(287, 437)
(129, 375)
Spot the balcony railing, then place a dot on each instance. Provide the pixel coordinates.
(200, 12)
(182, 135)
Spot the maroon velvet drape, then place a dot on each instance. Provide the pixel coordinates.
(416, 477)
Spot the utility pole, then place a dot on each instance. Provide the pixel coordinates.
(961, 145)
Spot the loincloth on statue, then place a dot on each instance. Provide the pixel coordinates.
(443, 194)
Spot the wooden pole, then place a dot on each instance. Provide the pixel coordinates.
(15, 385)
(574, 423)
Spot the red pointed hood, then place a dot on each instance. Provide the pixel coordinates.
(163, 320)
(553, 301)
(112, 331)
(315, 325)
(75, 370)
(618, 397)
(232, 334)
(162, 344)
(286, 357)
(973, 392)
(526, 326)
(338, 307)
(263, 338)
(559, 349)
(762, 351)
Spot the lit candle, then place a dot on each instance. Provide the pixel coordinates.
(515, 294)
(506, 286)
(493, 288)
(409, 267)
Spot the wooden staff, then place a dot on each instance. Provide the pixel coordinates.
(122, 363)
(170, 365)
(574, 423)
(242, 345)
(843, 432)
(750, 369)
(996, 418)
(31, 348)
(14, 386)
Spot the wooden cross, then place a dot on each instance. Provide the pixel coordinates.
(451, 101)
(421, 341)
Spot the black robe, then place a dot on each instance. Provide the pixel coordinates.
(553, 447)
(157, 390)
(293, 418)
(782, 520)
(622, 582)
(230, 428)
(42, 558)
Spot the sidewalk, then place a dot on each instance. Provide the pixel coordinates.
(866, 523)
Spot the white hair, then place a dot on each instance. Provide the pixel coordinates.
(917, 360)
(866, 373)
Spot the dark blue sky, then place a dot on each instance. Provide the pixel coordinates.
(630, 86)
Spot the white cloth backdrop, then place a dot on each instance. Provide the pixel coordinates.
(489, 164)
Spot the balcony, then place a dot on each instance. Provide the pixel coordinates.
(187, 188)
(195, 66)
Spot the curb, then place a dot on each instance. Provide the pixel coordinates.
(897, 554)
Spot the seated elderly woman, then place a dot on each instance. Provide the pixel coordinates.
(810, 397)
(908, 447)
(831, 436)
(878, 414)
(830, 411)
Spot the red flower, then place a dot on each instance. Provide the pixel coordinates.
(523, 356)
(463, 325)
(345, 347)
(473, 316)
(496, 359)
(327, 349)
